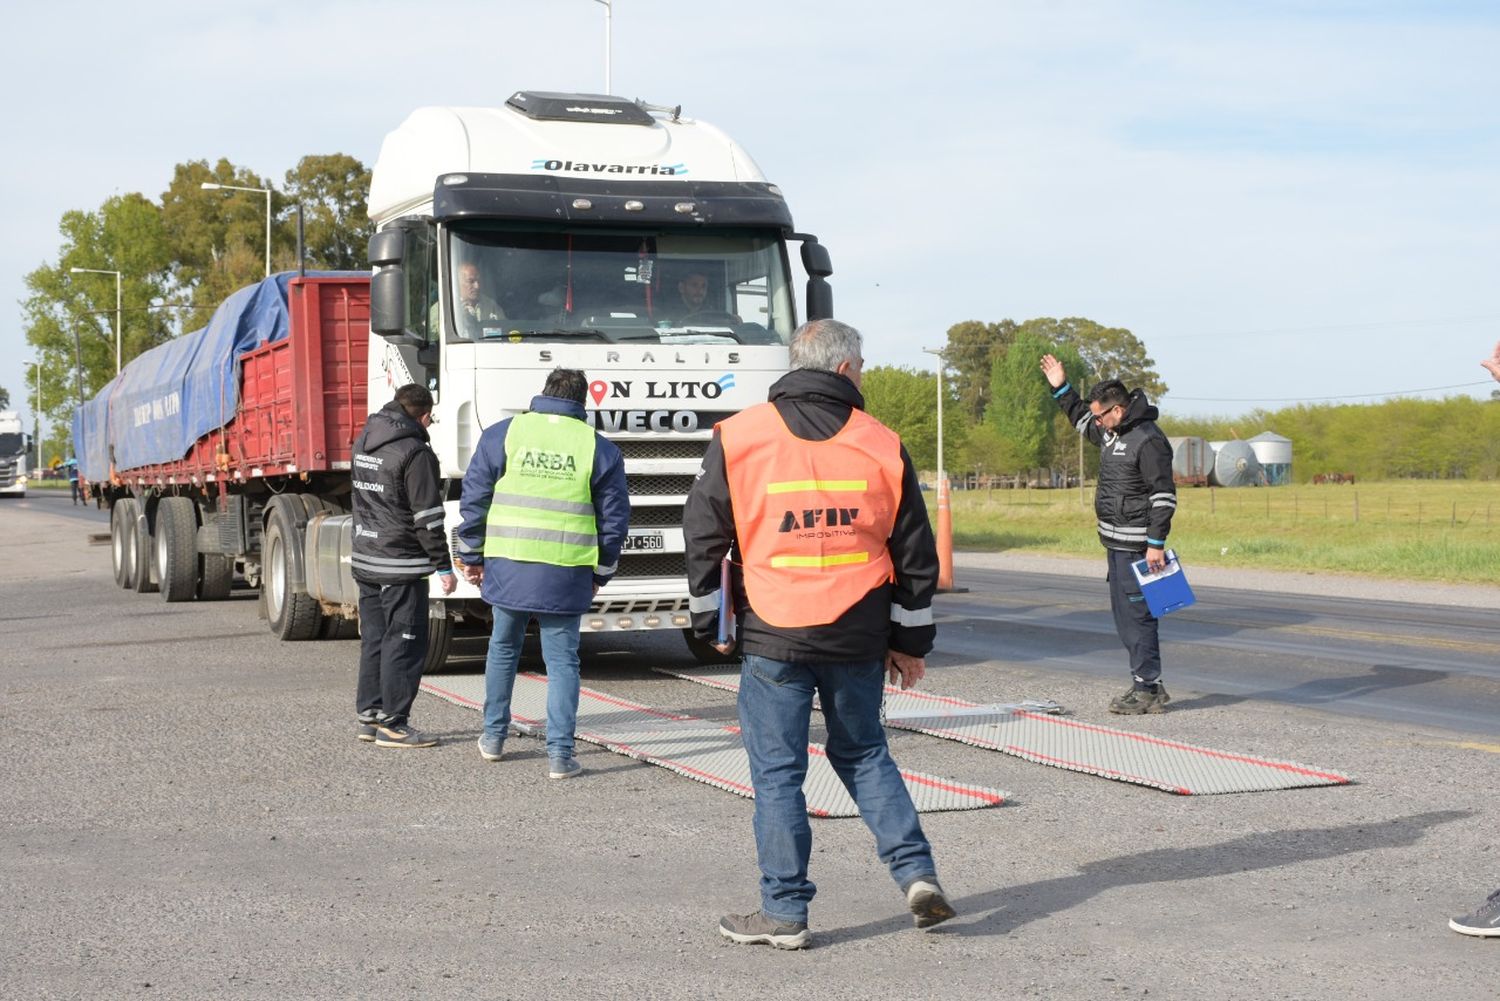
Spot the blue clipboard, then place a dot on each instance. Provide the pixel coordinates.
(726, 604)
(1166, 590)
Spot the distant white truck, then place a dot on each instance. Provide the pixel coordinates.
(15, 445)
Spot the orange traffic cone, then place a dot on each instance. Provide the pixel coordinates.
(945, 542)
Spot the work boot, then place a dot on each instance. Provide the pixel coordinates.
(928, 905)
(1150, 699)
(758, 929)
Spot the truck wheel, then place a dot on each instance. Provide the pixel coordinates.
(705, 653)
(121, 541)
(142, 550)
(336, 627)
(177, 548)
(291, 611)
(439, 639)
(215, 576)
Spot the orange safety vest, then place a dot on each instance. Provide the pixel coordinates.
(812, 517)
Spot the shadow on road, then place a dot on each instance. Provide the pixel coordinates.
(1321, 691)
(1001, 911)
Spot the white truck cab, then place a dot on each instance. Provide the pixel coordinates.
(589, 232)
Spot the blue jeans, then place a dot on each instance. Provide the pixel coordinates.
(775, 704)
(559, 652)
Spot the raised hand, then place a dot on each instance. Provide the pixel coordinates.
(1493, 363)
(1053, 370)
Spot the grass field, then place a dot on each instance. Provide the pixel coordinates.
(1408, 529)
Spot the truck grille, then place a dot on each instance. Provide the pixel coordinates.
(658, 484)
(653, 565)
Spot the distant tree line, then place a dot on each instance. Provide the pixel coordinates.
(999, 417)
(179, 256)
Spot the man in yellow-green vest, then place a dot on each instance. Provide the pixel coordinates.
(545, 510)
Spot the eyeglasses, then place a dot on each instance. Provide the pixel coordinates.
(1099, 417)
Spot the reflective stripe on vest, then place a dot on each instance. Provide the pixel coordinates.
(542, 510)
(812, 517)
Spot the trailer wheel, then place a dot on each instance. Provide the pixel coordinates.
(336, 627)
(177, 548)
(439, 640)
(291, 611)
(215, 576)
(121, 540)
(142, 573)
(705, 653)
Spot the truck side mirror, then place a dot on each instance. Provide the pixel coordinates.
(388, 283)
(818, 265)
(403, 285)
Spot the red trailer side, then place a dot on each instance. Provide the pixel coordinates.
(302, 399)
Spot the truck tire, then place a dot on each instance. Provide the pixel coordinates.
(439, 640)
(704, 652)
(142, 550)
(215, 576)
(177, 548)
(121, 539)
(293, 614)
(336, 627)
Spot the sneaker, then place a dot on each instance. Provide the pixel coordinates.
(563, 768)
(928, 905)
(1484, 922)
(757, 929)
(491, 748)
(402, 736)
(367, 721)
(1141, 700)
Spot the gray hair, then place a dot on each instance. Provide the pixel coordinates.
(823, 345)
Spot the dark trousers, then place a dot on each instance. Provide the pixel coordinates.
(1134, 622)
(392, 648)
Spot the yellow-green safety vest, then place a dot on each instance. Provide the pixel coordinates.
(542, 510)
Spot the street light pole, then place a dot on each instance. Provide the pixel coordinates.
(609, 11)
(212, 186)
(119, 330)
(36, 414)
(945, 514)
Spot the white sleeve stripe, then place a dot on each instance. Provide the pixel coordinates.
(704, 602)
(911, 616)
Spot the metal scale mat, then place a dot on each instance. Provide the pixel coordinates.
(698, 749)
(1072, 744)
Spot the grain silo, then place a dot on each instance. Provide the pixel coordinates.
(1235, 465)
(1275, 455)
(1191, 459)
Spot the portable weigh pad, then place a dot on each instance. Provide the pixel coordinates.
(1072, 744)
(698, 749)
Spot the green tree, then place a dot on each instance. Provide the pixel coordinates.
(69, 319)
(1022, 410)
(4, 398)
(218, 238)
(333, 191)
(904, 400)
(972, 349)
(1108, 352)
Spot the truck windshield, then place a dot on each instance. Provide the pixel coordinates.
(665, 287)
(11, 443)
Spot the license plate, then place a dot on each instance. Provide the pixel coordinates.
(643, 543)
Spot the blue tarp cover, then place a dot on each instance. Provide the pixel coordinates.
(172, 395)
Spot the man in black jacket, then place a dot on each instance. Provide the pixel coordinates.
(836, 569)
(398, 543)
(1134, 502)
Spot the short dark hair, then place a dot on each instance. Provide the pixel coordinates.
(415, 400)
(1110, 393)
(566, 384)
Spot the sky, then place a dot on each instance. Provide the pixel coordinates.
(1285, 201)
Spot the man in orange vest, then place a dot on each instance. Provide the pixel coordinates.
(835, 569)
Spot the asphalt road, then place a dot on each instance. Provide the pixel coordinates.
(185, 814)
